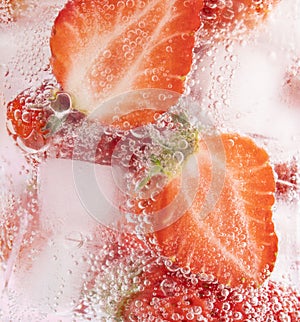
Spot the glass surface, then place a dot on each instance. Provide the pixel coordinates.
(129, 141)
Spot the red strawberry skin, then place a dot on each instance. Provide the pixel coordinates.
(179, 296)
(27, 118)
(104, 48)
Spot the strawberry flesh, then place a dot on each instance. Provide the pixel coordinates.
(231, 234)
(103, 48)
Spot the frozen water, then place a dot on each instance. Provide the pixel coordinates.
(287, 223)
(53, 281)
(250, 84)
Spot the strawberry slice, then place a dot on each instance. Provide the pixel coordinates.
(104, 48)
(228, 230)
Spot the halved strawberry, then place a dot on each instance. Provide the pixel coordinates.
(103, 48)
(228, 230)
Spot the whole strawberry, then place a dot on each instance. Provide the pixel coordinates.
(27, 117)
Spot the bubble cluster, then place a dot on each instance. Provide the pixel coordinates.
(115, 274)
(124, 277)
(210, 301)
(6, 12)
(27, 54)
(8, 230)
(224, 18)
(19, 223)
(156, 152)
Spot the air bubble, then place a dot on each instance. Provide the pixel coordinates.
(17, 115)
(169, 49)
(130, 3)
(197, 310)
(175, 317)
(62, 103)
(190, 316)
(161, 97)
(225, 292)
(237, 316)
(107, 54)
(236, 297)
(231, 143)
(220, 79)
(203, 277)
(228, 14)
(185, 271)
(276, 307)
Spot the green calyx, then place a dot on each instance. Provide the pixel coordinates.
(60, 106)
(173, 145)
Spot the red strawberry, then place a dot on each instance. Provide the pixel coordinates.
(41, 119)
(175, 296)
(231, 234)
(103, 48)
(65, 143)
(27, 117)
